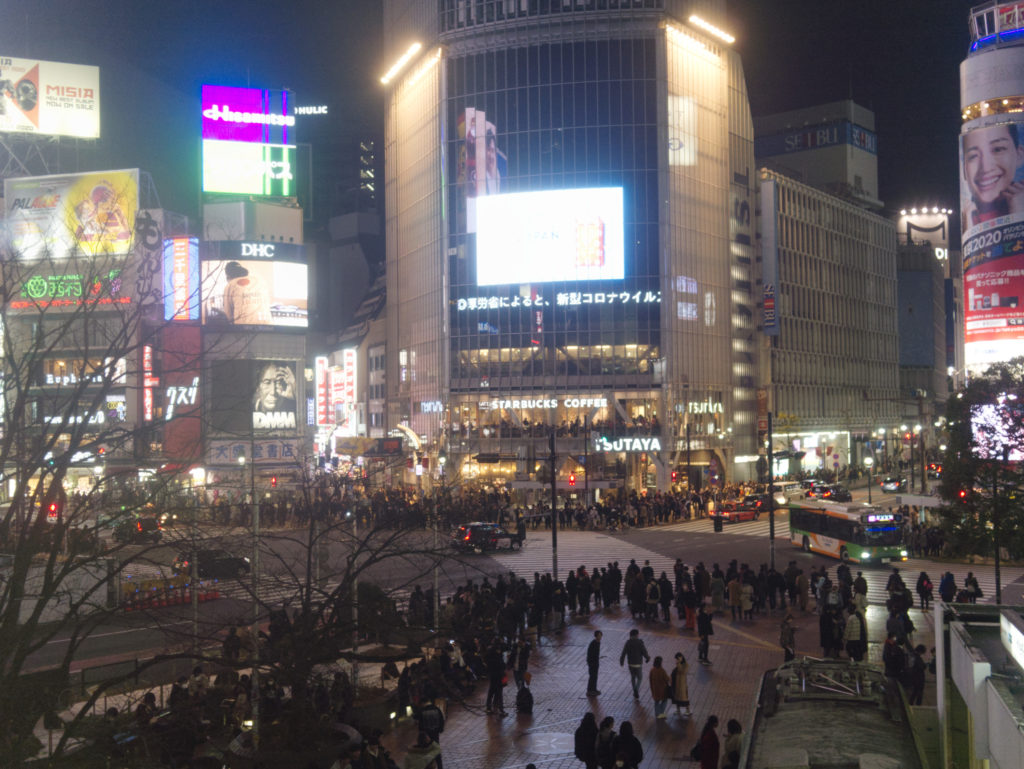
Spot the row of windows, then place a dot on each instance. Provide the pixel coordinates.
(458, 14)
(591, 61)
(597, 360)
(807, 205)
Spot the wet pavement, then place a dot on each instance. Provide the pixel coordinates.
(740, 653)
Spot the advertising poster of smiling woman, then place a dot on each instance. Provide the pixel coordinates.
(992, 210)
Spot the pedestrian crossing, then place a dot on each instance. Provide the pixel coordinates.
(592, 549)
(577, 549)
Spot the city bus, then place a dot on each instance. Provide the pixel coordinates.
(851, 533)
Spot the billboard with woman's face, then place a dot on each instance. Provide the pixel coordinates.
(992, 211)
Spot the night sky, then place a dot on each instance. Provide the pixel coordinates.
(897, 57)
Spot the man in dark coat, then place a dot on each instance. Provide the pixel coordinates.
(593, 663)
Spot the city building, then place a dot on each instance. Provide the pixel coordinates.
(991, 167)
(828, 269)
(83, 255)
(570, 243)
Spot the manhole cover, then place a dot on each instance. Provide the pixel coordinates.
(548, 742)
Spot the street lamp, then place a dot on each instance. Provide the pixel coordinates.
(868, 461)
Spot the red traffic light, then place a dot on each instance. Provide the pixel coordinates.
(675, 476)
(273, 481)
(963, 493)
(572, 479)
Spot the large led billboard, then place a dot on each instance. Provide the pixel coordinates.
(248, 141)
(48, 97)
(253, 396)
(992, 210)
(71, 214)
(550, 235)
(254, 284)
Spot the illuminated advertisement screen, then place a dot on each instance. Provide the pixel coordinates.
(48, 97)
(998, 427)
(71, 214)
(251, 115)
(254, 284)
(249, 169)
(181, 279)
(253, 395)
(992, 210)
(248, 141)
(550, 235)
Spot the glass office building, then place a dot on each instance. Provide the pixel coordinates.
(569, 193)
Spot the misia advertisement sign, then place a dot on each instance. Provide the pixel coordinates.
(992, 210)
(47, 97)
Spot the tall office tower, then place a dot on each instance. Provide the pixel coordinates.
(568, 194)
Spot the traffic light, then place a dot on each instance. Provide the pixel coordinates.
(963, 495)
(572, 479)
(675, 476)
(273, 481)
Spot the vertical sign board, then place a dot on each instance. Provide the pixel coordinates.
(181, 353)
(992, 167)
(769, 258)
(323, 393)
(149, 381)
(181, 279)
(348, 417)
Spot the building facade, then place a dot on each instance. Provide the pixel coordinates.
(569, 236)
(829, 273)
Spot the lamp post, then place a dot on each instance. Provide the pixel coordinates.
(869, 461)
(255, 576)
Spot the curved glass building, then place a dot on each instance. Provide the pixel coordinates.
(570, 242)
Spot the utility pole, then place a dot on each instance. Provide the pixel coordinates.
(771, 494)
(554, 507)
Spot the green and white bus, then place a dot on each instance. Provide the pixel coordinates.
(851, 533)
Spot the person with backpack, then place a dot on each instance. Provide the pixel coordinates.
(603, 744)
(585, 741)
(924, 591)
(635, 653)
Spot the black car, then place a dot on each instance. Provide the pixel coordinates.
(839, 493)
(479, 537)
(138, 531)
(214, 564)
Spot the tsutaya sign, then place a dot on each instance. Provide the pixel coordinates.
(605, 444)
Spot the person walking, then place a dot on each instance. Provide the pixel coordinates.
(431, 721)
(787, 637)
(680, 687)
(635, 652)
(705, 631)
(585, 741)
(593, 663)
(497, 677)
(709, 745)
(925, 591)
(661, 686)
